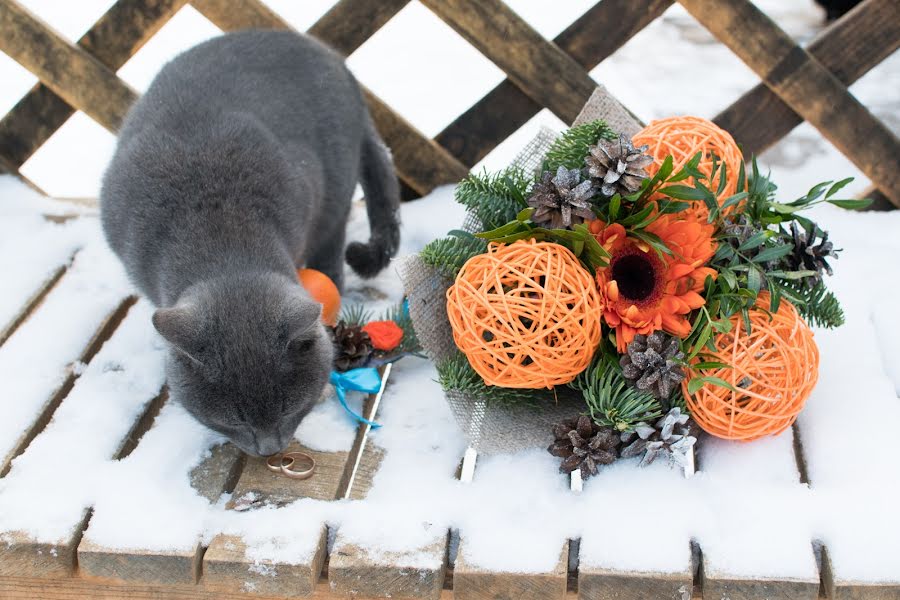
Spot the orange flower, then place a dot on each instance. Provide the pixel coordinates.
(642, 292)
(385, 335)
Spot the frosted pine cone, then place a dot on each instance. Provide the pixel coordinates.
(617, 166)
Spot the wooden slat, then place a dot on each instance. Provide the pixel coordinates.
(839, 589)
(849, 48)
(33, 302)
(420, 162)
(112, 40)
(597, 34)
(210, 478)
(605, 584)
(473, 583)
(538, 67)
(225, 564)
(808, 87)
(73, 74)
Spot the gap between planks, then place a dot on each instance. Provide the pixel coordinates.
(103, 333)
(34, 302)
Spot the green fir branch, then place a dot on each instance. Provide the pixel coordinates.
(449, 254)
(816, 304)
(494, 199)
(572, 146)
(456, 375)
(611, 400)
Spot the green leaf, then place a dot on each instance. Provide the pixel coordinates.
(733, 200)
(503, 230)
(652, 240)
(614, 203)
(711, 364)
(695, 384)
(719, 382)
(754, 281)
(756, 239)
(705, 333)
(637, 217)
(773, 253)
(683, 192)
(837, 187)
(525, 214)
(852, 204)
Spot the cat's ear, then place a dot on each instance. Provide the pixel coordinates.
(301, 319)
(180, 326)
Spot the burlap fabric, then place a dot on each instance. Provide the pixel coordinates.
(492, 428)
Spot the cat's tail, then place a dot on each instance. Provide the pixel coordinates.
(379, 182)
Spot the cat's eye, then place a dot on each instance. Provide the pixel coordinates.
(299, 346)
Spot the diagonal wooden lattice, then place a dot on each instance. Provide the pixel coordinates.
(798, 84)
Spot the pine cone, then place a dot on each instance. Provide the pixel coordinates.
(653, 364)
(352, 346)
(618, 165)
(739, 229)
(583, 444)
(562, 200)
(808, 255)
(673, 437)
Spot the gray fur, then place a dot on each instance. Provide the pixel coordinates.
(236, 168)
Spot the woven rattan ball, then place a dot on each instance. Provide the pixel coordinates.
(774, 368)
(526, 315)
(683, 137)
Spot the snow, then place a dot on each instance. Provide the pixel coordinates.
(33, 360)
(85, 432)
(746, 507)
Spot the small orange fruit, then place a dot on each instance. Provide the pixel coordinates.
(322, 289)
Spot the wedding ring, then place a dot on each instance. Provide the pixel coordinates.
(289, 459)
(277, 462)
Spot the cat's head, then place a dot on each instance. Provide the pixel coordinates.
(248, 357)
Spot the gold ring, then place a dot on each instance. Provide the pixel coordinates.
(277, 462)
(292, 459)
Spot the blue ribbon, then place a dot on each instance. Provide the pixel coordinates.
(366, 380)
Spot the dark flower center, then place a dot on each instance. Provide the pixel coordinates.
(637, 277)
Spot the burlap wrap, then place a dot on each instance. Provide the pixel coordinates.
(489, 427)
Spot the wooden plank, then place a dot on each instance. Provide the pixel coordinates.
(849, 48)
(210, 478)
(538, 67)
(420, 162)
(112, 40)
(73, 74)
(473, 583)
(227, 567)
(33, 302)
(839, 589)
(593, 37)
(807, 86)
(605, 584)
(81, 587)
(105, 330)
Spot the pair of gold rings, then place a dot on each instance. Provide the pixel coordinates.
(285, 463)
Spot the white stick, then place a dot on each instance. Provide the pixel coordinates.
(386, 372)
(468, 466)
(576, 483)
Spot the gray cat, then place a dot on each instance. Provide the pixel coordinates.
(236, 168)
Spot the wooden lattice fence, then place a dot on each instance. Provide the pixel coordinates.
(797, 83)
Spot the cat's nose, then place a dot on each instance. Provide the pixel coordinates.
(269, 446)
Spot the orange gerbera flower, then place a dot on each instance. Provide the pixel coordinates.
(642, 292)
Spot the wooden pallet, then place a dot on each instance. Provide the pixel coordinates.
(76, 567)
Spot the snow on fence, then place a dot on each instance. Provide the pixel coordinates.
(97, 359)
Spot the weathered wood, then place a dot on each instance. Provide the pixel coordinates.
(349, 23)
(81, 587)
(879, 200)
(473, 583)
(353, 571)
(839, 589)
(112, 40)
(420, 162)
(849, 48)
(103, 333)
(597, 34)
(605, 584)
(73, 74)
(734, 588)
(210, 478)
(226, 566)
(808, 87)
(33, 302)
(538, 67)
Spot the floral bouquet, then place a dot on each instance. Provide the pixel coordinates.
(626, 294)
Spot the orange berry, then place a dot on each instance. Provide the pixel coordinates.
(323, 291)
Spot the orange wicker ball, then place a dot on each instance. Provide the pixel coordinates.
(322, 289)
(775, 369)
(526, 315)
(683, 137)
